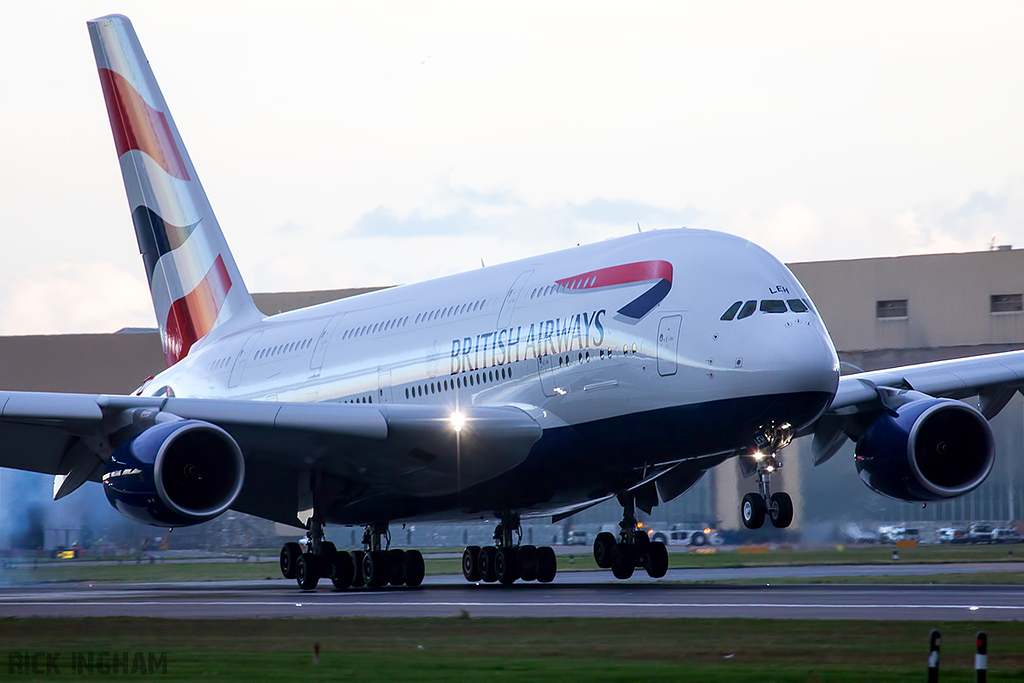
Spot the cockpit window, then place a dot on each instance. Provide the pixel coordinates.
(797, 306)
(773, 306)
(747, 310)
(731, 313)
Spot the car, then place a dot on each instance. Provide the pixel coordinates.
(1006, 535)
(951, 535)
(576, 537)
(980, 533)
(853, 533)
(692, 537)
(892, 534)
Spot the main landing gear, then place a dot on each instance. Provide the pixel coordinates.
(373, 567)
(632, 550)
(506, 561)
(778, 507)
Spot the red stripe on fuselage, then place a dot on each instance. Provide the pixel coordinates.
(641, 271)
(192, 316)
(137, 125)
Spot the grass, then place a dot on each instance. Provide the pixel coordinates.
(131, 572)
(531, 649)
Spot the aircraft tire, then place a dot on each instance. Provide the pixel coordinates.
(326, 558)
(753, 510)
(528, 562)
(343, 570)
(506, 565)
(603, 545)
(375, 568)
(289, 556)
(486, 561)
(471, 563)
(414, 569)
(306, 574)
(657, 560)
(358, 578)
(396, 567)
(623, 561)
(781, 510)
(547, 564)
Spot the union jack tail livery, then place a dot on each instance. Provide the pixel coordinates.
(195, 284)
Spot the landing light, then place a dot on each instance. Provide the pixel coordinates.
(458, 420)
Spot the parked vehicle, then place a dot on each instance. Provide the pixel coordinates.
(1005, 535)
(891, 534)
(980, 533)
(576, 537)
(690, 537)
(853, 533)
(951, 535)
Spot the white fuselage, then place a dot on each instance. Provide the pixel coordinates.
(677, 382)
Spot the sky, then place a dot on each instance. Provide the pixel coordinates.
(355, 144)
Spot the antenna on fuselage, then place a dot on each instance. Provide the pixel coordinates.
(638, 227)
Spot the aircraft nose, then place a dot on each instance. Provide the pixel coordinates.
(811, 359)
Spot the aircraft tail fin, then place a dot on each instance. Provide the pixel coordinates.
(196, 287)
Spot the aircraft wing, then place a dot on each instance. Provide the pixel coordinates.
(994, 378)
(407, 449)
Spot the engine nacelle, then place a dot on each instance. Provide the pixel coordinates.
(175, 474)
(933, 449)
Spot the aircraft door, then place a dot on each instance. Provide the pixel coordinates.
(320, 350)
(511, 297)
(547, 375)
(668, 344)
(384, 386)
(243, 354)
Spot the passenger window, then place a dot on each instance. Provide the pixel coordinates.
(747, 310)
(796, 305)
(731, 313)
(773, 306)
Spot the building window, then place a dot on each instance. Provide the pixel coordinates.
(1006, 303)
(893, 308)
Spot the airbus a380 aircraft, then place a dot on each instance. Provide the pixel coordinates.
(623, 369)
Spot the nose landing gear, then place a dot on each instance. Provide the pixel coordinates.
(778, 507)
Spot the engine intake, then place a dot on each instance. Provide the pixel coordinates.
(933, 449)
(175, 474)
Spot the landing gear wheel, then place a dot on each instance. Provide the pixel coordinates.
(657, 560)
(506, 568)
(326, 557)
(289, 556)
(623, 561)
(306, 574)
(603, 545)
(342, 570)
(414, 569)
(528, 562)
(640, 539)
(780, 511)
(753, 510)
(471, 563)
(396, 567)
(358, 578)
(486, 559)
(375, 568)
(547, 565)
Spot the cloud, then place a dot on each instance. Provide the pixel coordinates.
(68, 297)
(462, 211)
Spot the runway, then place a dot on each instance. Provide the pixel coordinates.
(579, 594)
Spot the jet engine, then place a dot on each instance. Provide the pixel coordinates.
(175, 474)
(927, 449)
